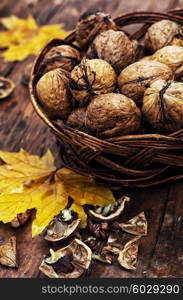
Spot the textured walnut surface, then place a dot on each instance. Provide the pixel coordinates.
(163, 105)
(63, 56)
(53, 92)
(92, 77)
(112, 114)
(163, 33)
(114, 47)
(172, 56)
(135, 78)
(90, 24)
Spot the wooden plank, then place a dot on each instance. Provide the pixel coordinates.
(167, 260)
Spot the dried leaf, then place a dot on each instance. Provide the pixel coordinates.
(8, 256)
(24, 37)
(21, 167)
(28, 181)
(128, 256)
(84, 190)
(136, 225)
(48, 205)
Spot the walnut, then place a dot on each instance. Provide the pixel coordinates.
(163, 33)
(91, 23)
(171, 56)
(145, 58)
(92, 77)
(163, 105)
(114, 47)
(135, 78)
(53, 92)
(112, 114)
(63, 56)
(77, 118)
(6, 87)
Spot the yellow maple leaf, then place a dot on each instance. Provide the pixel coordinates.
(21, 167)
(25, 37)
(84, 190)
(49, 205)
(28, 181)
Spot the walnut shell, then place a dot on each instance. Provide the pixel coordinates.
(92, 77)
(53, 92)
(135, 78)
(91, 23)
(163, 105)
(163, 33)
(80, 254)
(112, 114)
(77, 118)
(114, 47)
(6, 87)
(114, 211)
(63, 56)
(171, 56)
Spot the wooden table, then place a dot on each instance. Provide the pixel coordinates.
(161, 251)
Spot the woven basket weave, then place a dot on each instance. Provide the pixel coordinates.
(134, 160)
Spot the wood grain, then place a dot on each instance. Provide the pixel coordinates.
(160, 253)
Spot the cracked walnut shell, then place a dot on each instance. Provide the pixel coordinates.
(92, 77)
(62, 267)
(91, 23)
(163, 33)
(114, 47)
(136, 78)
(112, 114)
(163, 105)
(53, 92)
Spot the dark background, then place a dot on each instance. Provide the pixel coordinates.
(161, 251)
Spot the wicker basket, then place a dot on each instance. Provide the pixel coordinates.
(134, 160)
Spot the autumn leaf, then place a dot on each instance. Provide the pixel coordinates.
(21, 168)
(29, 181)
(48, 205)
(84, 190)
(24, 37)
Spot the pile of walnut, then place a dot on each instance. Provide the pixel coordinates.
(101, 240)
(103, 86)
(72, 250)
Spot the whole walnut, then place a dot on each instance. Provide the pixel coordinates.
(63, 56)
(114, 47)
(91, 23)
(135, 78)
(77, 118)
(92, 77)
(171, 56)
(163, 105)
(112, 114)
(163, 33)
(53, 92)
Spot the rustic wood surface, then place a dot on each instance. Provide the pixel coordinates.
(160, 252)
